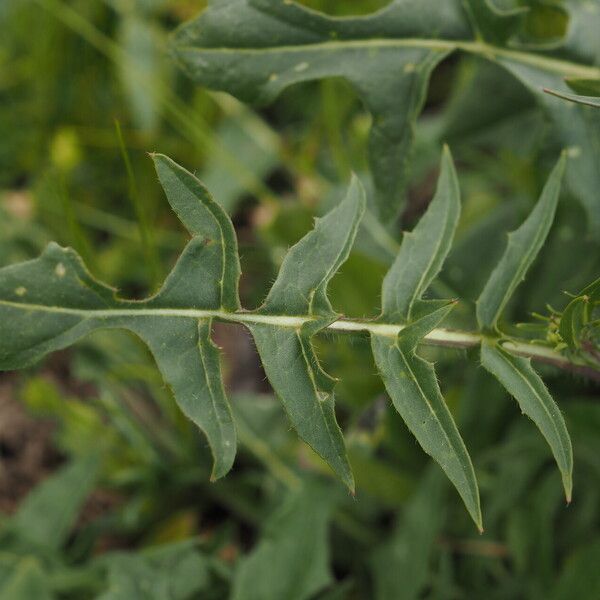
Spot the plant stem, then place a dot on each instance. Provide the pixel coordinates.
(437, 337)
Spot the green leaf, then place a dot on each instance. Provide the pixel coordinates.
(291, 560)
(579, 577)
(286, 351)
(51, 302)
(401, 566)
(27, 582)
(217, 246)
(424, 249)
(572, 322)
(492, 23)
(521, 381)
(576, 126)
(173, 572)
(585, 87)
(523, 246)
(586, 100)
(301, 285)
(47, 514)
(410, 380)
(578, 313)
(412, 385)
(254, 49)
(305, 390)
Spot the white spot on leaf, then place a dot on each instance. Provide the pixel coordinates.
(60, 270)
(301, 67)
(21, 291)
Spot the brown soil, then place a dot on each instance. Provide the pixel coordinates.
(27, 454)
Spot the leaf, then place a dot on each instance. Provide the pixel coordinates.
(492, 23)
(401, 565)
(572, 322)
(585, 87)
(523, 246)
(301, 285)
(305, 390)
(254, 49)
(423, 250)
(140, 42)
(576, 126)
(286, 351)
(51, 302)
(291, 560)
(579, 577)
(412, 385)
(521, 381)
(45, 517)
(27, 582)
(578, 313)
(410, 380)
(277, 44)
(173, 572)
(203, 218)
(586, 100)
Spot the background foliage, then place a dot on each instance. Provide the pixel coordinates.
(118, 504)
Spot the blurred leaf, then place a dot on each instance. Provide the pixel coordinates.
(401, 566)
(580, 577)
(278, 44)
(291, 560)
(171, 572)
(251, 141)
(46, 516)
(28, 582)
(585, 100)
(141, 42)
(585, 87)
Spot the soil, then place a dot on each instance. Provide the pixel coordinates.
(27, 454)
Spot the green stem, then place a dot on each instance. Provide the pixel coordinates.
(437, 337)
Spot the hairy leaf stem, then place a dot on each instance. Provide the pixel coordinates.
(437, 337)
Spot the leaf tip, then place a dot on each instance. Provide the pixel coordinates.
(568, 485)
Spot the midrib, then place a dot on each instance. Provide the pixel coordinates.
(479, 48)
(439, 336)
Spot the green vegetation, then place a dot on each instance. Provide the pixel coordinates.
(303, 247)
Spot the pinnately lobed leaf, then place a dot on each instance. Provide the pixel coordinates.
(523, 246)
(521, 381)
(52, 301)
(410, 380)
(287, 354)
(254, 49)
